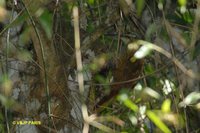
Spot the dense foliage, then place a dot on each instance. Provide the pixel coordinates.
(137, 68)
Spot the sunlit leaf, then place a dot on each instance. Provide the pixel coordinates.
(192, 98)
(127, 102)
(182, 2)
(183, 9)
(142, 52)
(133, 119)
(138, 87)
(152, 93)
(166, 106)
(160, 4)
(157, 121)
(142, 111)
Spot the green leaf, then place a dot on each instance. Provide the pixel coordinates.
(157, 121)
(91, 2)
(133, 119)
(139, 6)
(166, 106)
(46, 20)
(90, 28)
(149, 69)
(188, 17)
(182, 2)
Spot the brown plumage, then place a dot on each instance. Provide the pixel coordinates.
(124, 69)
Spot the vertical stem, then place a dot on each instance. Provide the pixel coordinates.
(80, 68)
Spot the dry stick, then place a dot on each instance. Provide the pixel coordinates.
(80, 68)
(189, 73)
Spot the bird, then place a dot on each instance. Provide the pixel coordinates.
(124, 67)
